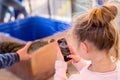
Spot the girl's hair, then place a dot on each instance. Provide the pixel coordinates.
(98, 28)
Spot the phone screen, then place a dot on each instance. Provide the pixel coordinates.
(64, 48)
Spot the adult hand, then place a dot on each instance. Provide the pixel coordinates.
(23, 53)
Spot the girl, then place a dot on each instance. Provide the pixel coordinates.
(97, 40)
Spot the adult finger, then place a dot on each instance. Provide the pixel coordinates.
(27, 45)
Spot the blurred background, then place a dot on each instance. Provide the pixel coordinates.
(55, 9)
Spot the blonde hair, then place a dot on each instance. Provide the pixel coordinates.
(117, 4)
(98, 28)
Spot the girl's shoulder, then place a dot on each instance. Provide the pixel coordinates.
(85, 74)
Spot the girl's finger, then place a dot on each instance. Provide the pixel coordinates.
(71, 49)
(75, 58)
(71, 56)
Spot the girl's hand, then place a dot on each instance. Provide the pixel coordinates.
(59, 53)
(60, 56)
(23, 52)
(75, 57)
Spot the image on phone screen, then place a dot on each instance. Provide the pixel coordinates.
(64, 48)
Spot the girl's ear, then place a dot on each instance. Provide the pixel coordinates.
(84, 47)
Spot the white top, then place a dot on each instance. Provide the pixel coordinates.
(85, 74)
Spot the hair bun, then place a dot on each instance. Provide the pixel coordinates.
(103, 15)
(109, 12)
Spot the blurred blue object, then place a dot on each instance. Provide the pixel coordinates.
(100, 2)
(33, 28)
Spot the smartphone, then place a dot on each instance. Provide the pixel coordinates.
(64, 48)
